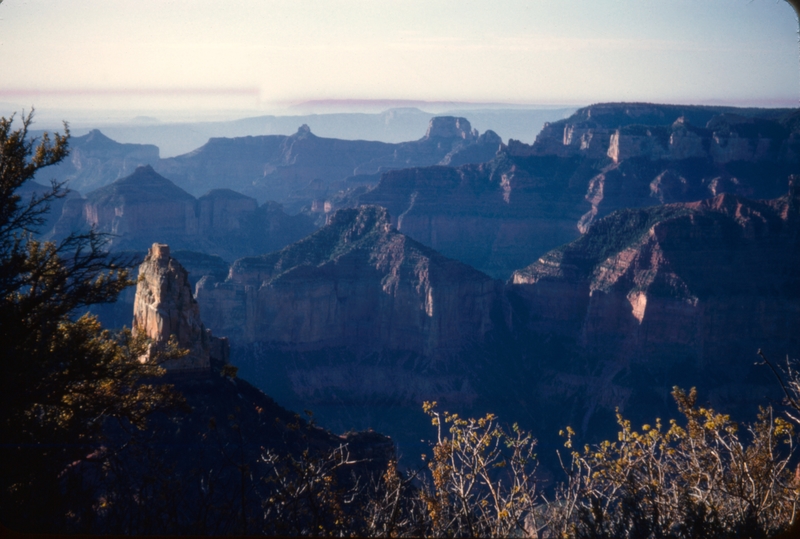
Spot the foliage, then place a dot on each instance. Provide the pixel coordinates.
(788, 377)
(303, 496)
(66, 384)
(697, 480)
(394, 508)
(62, 376)
(482, 478)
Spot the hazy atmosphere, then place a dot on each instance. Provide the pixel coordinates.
(179, 58)
(371, 268)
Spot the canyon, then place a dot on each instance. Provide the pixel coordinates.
(364, 312)
(362, 323)
(302, 168)
(187, 453)
(95, 160)
(630, 248)
(294, 170)
(503, 214)
(681, 294)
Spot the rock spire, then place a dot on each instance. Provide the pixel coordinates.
(164, 306)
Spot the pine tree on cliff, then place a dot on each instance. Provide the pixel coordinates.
(62, 376)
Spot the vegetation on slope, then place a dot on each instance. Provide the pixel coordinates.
(62, 376)
(70, 390)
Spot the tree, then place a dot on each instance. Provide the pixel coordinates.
(62, 377)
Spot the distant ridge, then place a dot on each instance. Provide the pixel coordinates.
(144, 185)
(145, 207)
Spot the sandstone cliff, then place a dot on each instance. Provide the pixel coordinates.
(164, 308)
(146, 207)
(141, 202)
(682, 294)
(357, 322)
(505, 213)
(186, 451)
(361, 323)
(356, 283)
(600, 130)
(198, 265)
(497, 216)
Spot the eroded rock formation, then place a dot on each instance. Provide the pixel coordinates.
(356, 313)
(95, 161)
(146, 207)
(681, 294)
(304, 169)
(360, 322)
(624, 130)
(164, 308)
(356, 283)
(505, 213)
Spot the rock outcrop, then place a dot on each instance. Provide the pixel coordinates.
(357, 322)
(505, 213)
(165, 309)
(302, 169)
(146, 207)
(356, 283)
(496, 217)
(95, 161)
(681, 294)
(198, 265)
(141, 202)
(623, 131)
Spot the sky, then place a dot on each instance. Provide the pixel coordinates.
(181, 56)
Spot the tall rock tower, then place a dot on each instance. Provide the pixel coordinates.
(164, 306)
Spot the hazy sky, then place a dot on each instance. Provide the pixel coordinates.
(254, 54)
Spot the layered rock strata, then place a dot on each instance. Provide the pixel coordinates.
(95, 161)
(303, 169)
(146, 207)
(356, 313)
(361, 323)
(623, 130)
(356, 283)
(496, 217)
(118, 314)
(505, 213)
(165, 309)
(682, 294)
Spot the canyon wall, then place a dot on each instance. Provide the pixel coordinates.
(362, 324)
(145, 207)
(356, 283)
(681, 294)
(505, 213)
(95, 161)
(356, 321)
(303, 169)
